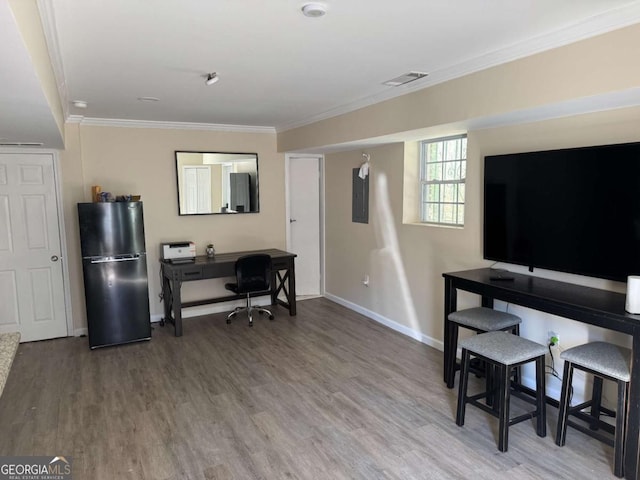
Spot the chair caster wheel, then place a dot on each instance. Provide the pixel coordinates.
(270, 317)
(251, 324)
(228, 321)
(162, 322)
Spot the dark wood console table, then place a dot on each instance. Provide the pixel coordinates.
(583, 304)
(223, 265)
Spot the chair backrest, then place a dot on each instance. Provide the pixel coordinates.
(253, 273)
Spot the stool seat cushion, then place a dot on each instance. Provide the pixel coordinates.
(602, 357)
(503, 347)
(485, 319)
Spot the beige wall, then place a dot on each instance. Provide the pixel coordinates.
(406, 286)
(404, 262)
(141, 161)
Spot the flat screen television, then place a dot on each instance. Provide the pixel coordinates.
(573, 210)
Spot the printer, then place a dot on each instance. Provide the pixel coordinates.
(178, 252)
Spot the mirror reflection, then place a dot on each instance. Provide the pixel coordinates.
(217, 182)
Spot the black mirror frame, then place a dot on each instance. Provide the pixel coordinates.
(257, 184)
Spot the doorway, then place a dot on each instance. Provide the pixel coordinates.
(32, 287)
(304, 221)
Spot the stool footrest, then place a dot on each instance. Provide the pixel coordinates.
(525, 416)
(592, 433)
(512, 421)
(516, 392)
(482, 406)
(594, 422)
(603, 410)
(478, 396)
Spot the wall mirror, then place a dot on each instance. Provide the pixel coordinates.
(217, 182)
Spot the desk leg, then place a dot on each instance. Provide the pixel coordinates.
(274, 288)
(292, 288)
(487, 302)
(166, 300)
(177, 306)
(450, 333)
(289, 288)
(632, 444)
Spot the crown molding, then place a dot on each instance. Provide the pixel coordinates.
(48, 22)
(606, 102)
(216, 127)
(596, 25)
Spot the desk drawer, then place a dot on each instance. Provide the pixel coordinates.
(192, 272)
(279, 264)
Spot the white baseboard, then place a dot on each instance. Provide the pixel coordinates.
(527, 381)
(392, 324)
(78, 332)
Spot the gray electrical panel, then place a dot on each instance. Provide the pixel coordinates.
(359, 198)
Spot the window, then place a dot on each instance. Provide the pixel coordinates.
(443, 169)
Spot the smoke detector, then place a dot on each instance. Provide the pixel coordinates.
(314, 10)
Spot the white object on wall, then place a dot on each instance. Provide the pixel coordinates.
(633, 294)
(364, 168)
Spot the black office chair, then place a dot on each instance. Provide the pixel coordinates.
(253, 275)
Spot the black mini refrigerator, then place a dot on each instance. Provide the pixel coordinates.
(114, 263)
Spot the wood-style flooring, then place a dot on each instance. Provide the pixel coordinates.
(328, 394)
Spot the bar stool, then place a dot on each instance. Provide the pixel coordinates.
(604, 361)
(505, 352)
(478, 319)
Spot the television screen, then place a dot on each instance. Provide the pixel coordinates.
(574, 210)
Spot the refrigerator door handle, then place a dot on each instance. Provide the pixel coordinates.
(120, 258)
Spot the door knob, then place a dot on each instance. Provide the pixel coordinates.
(54, 258)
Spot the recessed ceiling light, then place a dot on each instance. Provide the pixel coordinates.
(212, 78)
(314, 10)
(80, 104)
(149, 99)
(406, 78)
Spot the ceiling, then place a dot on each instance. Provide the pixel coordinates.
(277, 68)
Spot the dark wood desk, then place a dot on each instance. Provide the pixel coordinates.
(583, 304)
(223, 265)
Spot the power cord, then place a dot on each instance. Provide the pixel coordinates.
(161, 294)
(551, 369)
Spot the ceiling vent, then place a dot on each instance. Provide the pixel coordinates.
(406, 78)
(20, 144)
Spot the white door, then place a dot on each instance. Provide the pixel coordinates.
(304, 222)
(31, 284)
(197, 188)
